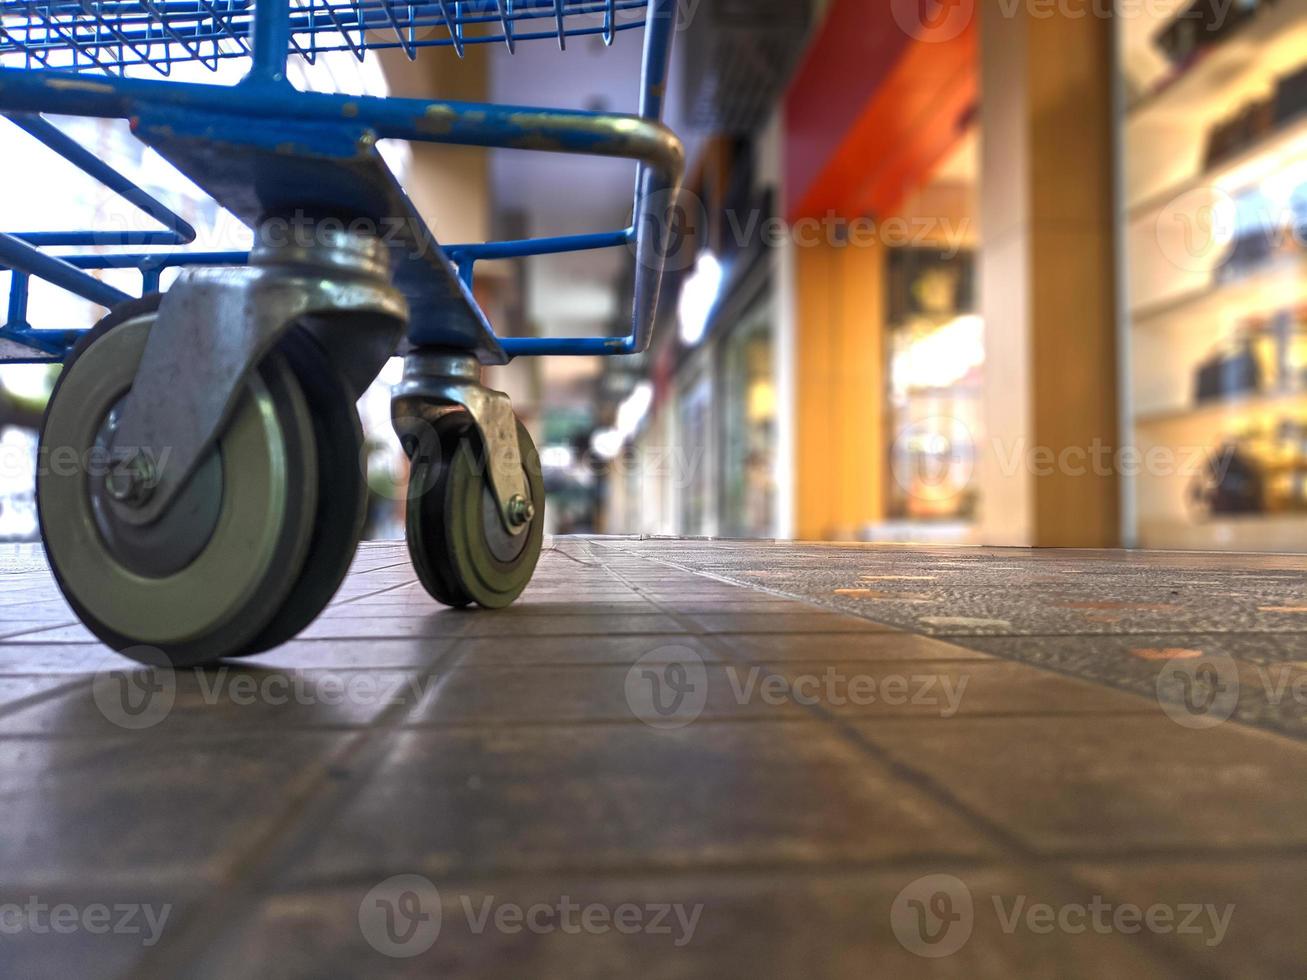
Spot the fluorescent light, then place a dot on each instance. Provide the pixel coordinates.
(634, 408)
(606, 443)
(942, 357)
(698, 297)
(556, 457)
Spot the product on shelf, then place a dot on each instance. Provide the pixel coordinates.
(1234, 368)
(1265, 355)
(1257, 120)
(1231, 483)
(1253, 122)
(1202, 24)
(1266, 225)
(1261, 471)
(1291, 97)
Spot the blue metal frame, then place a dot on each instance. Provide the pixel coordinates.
(256, 145)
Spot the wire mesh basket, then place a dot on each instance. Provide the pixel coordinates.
(116, 36)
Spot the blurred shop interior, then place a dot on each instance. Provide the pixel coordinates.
(988, 276)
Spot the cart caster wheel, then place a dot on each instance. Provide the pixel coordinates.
(223, 571)
(342, 495)
(457, 541)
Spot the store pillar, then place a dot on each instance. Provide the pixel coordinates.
(1048, 281)
(840, 471)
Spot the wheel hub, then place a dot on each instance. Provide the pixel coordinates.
(167, 545)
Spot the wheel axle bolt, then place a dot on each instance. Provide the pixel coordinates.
(131, 481)
(520, 510)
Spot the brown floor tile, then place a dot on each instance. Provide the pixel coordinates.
(943, 690)
(775, 925)
(809, 621)
(53, 658)
(148, 808)
(15, 691)
(369, 653)
(536, 651)
(598, 693)
(1258, 903)
(621, 796)
(872, 645)
(227, 698)
(611, 624)
(54, 934)
(1085, 785)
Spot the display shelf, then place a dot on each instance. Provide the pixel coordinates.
(1245, 168)
(1280, 283)
(1178, 311)
(1255, 532)
(1254, 56)
(1234, 408)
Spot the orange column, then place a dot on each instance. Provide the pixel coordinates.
(840, 449)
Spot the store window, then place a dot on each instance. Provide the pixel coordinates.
(693, 472)
(749, 426)
(936, 355)
(1215, 163)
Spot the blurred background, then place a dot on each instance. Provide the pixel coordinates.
(1026, 273)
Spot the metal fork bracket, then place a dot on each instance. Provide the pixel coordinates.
(437, 381)
(215, 326)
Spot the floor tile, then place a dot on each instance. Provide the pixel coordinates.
(621, 796)
(1078, 785)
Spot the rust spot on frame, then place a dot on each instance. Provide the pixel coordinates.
(437, 120)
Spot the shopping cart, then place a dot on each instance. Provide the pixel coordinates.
(199, 485)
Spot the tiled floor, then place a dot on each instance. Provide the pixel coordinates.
(679, 759)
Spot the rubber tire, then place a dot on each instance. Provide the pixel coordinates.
(446, 514)
(342, 491)
(175, 655)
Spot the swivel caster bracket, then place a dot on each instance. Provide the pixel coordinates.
(215, 325)
(437, 380)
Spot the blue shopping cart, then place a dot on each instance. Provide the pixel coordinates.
(199, 484)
